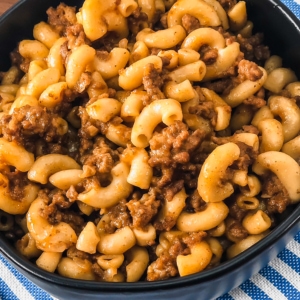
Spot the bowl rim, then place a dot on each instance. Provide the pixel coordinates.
(276, 234)
(293, 220)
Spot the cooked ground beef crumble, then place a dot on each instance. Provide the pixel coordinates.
(176, 152)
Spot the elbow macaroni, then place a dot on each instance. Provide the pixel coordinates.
(214, 168)
(166, 111)
(99, 16)
(198, 260)
(16, 206)
(11, 152)
(140, 174)
(213, 215)
(137, 130)
(205, 13)
(132, 76)
(52, 238)
(285, 167)
(119, 188)
(162, 39)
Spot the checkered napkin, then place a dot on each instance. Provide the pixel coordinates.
(279, 280)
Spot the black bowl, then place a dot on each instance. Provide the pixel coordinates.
(282, 34)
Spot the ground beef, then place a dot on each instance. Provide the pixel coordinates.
(248, 70)
(166, 60)
(28, 123)
(61, 17)
(208, 55)
(85, 145)
(253, 48)
(90, 127)
(98, 271)
(24, 66)
(221, 140)
(155, 51)
(21, 62)
(108, 42)
(142, 211)
(153, 82)
(72, 194)
(73, 252)
(199, 94)
(227, 4)
(219, 86)
(297, 99)
(165, 265)
(248, 129)
(205, 110)
(247, 157)
(167, 194)
(173, 146)
(70, 144)
(164, 20)
(59, 210)
(193, 238)
(76, 36)
(190, 23)
(137, 20)
(101, 156)
(234, 230)
(119, 217)
(16, 60)
(63, 108)
(170, 190)
(189, 172)
(276, 195)
(232, 73)
(59, 199)
(255, 102)
(261, 93)
(261, 52)
(51, 214)
(75, 220)
(235, 211)
(163, 268)
(103, 55)
(17, 182)
(155, 23)
(178, 247)
(111, 93)
(83, 82)
(164, 178)
(166, 224)
(195, 203)
(43, 148)
(64, 52)
(56, 201)
(247, 154)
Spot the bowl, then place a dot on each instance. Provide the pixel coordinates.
(282, 34)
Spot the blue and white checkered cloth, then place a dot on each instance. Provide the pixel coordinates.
(279, 280)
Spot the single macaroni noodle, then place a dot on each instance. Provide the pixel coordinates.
(145, 140)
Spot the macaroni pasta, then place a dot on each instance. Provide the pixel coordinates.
(143, 140)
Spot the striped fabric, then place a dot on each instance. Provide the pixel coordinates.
(293, 5)
(279, 280)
